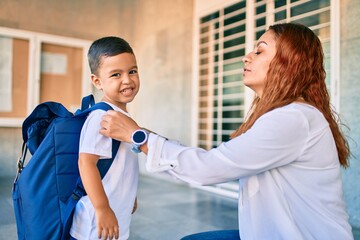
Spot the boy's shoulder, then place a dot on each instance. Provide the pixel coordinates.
(116, 108)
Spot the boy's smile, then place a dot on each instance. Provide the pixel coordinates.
(127, 92)
(118, 78)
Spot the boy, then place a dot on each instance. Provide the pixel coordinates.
(106, 210)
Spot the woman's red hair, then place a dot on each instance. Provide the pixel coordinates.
(297, 72)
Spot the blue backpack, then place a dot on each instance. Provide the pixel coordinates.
(47, 189)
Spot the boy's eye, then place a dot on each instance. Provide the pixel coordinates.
(257, 53)
(133, 72)
(116, 75)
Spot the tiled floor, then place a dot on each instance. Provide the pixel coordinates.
(171, 211)
(167, 211)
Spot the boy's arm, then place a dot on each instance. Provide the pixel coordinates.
(106, 221)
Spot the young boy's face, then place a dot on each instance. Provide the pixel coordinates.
(118, 78)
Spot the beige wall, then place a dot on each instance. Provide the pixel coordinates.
(163, 44)
(160, 32)
(85, 19)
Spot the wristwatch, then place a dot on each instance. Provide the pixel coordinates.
(138, 138)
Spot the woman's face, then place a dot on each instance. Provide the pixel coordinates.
(256, 63)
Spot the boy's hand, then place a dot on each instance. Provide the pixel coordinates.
(106, 223)
(135, 206)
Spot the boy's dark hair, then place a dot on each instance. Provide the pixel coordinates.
(108, 47)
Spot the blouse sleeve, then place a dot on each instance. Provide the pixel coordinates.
(277, 138)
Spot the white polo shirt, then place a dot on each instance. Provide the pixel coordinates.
(288, 171)
(120, 182)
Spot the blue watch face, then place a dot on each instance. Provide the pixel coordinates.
(139, 137)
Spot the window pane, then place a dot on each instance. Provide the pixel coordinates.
(309, 7)
(280, 16)
(210, 17)
(234, 7)
(204, 61)
(260, 22)
(234, 54)
(232, 90)
(233, 66)
(234, 42)
(204, 29)
(259, 34)
(234, 30)
(280, 3)
(203, 72)
(234, 19)
(232, 78)
(203, 104)
(204, 40)
(231, 126)
(203, 93)
(315, 19)
(260, 9)
(204, 50)
(231, 114)
(225, 138)
(233, 102)
(323, 33)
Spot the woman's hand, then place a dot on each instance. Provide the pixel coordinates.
(118, 126)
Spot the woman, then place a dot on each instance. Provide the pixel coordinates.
(288, 153)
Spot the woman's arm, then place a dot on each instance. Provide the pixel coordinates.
(276, 139)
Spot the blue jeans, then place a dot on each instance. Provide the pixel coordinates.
(214, 235)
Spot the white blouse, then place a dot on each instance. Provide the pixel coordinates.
(288, 170)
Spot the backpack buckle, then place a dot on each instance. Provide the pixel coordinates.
(78, 192)
(21, 161)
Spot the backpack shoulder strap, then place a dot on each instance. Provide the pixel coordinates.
(103, 166)
(79, 191)
(100, 105)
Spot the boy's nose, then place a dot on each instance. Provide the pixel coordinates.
(126, 78)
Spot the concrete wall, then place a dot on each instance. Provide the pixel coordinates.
(84, 19)
(163, 45)
(350, 99)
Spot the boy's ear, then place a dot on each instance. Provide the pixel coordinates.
(96, 81)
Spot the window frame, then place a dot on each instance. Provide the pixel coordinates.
(33, 77)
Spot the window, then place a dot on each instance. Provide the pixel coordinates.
(225, 33)
(221, 92)
(33, 66)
